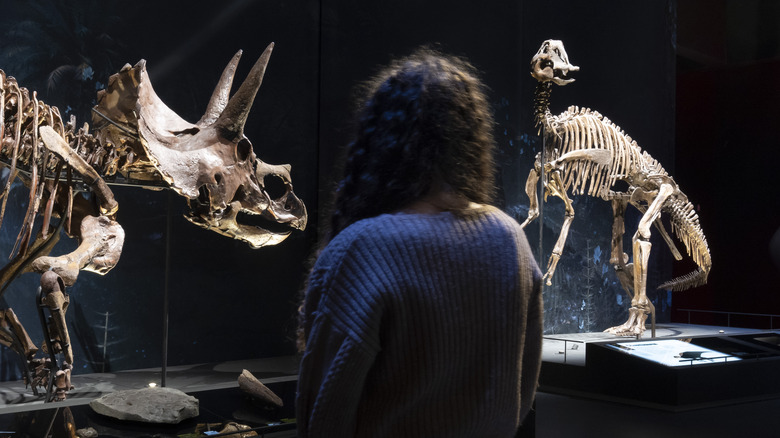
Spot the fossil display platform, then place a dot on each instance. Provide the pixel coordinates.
(683, 367)
(215, 385)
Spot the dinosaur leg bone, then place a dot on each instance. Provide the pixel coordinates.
(13, 335)
(556, 187)
(640, 305)
(54, 298)
(530, 190)
(101, 246)
(664, 234)
(618, 258)
(101, 237)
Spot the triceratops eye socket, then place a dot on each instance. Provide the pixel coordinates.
(274, 186)
(243, 149)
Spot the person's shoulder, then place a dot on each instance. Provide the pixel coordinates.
(369, 228)
(355, 236)
(492, 214)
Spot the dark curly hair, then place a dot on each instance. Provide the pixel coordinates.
(425, 118)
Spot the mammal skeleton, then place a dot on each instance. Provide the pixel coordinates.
(136, 140)
(585, 153)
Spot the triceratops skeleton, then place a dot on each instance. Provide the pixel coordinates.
(136, 140)
(585, 153)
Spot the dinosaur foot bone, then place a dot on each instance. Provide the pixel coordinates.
(635, 325)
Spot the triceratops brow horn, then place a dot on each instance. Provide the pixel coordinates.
(235, 114)
(221, 95)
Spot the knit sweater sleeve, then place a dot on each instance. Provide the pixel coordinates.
(341, 345)
(331, 379)
(532, 362)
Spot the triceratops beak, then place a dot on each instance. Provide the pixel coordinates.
(231, 121)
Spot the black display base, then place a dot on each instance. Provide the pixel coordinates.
(217, 407)
(215, 386)
(744, 368)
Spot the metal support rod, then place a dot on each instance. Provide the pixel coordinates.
(168, 226)
(105, 344)
(540, 203)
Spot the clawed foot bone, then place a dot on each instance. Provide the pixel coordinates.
(635, 325)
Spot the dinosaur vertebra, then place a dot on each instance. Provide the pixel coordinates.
(586, 154)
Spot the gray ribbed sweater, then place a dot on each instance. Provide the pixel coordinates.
(422, 325)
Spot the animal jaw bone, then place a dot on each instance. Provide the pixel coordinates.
(586, 154)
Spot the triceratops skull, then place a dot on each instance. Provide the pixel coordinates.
(213, 164)
(551, 64)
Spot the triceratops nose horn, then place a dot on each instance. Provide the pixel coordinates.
(221, 95)
(237, 109)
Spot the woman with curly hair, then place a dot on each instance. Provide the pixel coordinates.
(422, 315)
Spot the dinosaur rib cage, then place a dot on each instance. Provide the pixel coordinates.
(20, 118)
(22, 151)
(580, 129)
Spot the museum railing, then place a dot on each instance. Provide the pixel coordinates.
(730, 319)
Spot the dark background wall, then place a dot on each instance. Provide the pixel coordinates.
(230, 302)
(728, 89)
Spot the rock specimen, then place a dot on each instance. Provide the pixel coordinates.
(148, 405)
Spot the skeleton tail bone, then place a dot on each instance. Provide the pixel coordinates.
(685, 225)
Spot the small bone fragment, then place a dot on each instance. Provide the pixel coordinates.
(237, 431)
(249, 384)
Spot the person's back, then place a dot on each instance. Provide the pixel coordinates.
(422, 315)
(446, 358)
